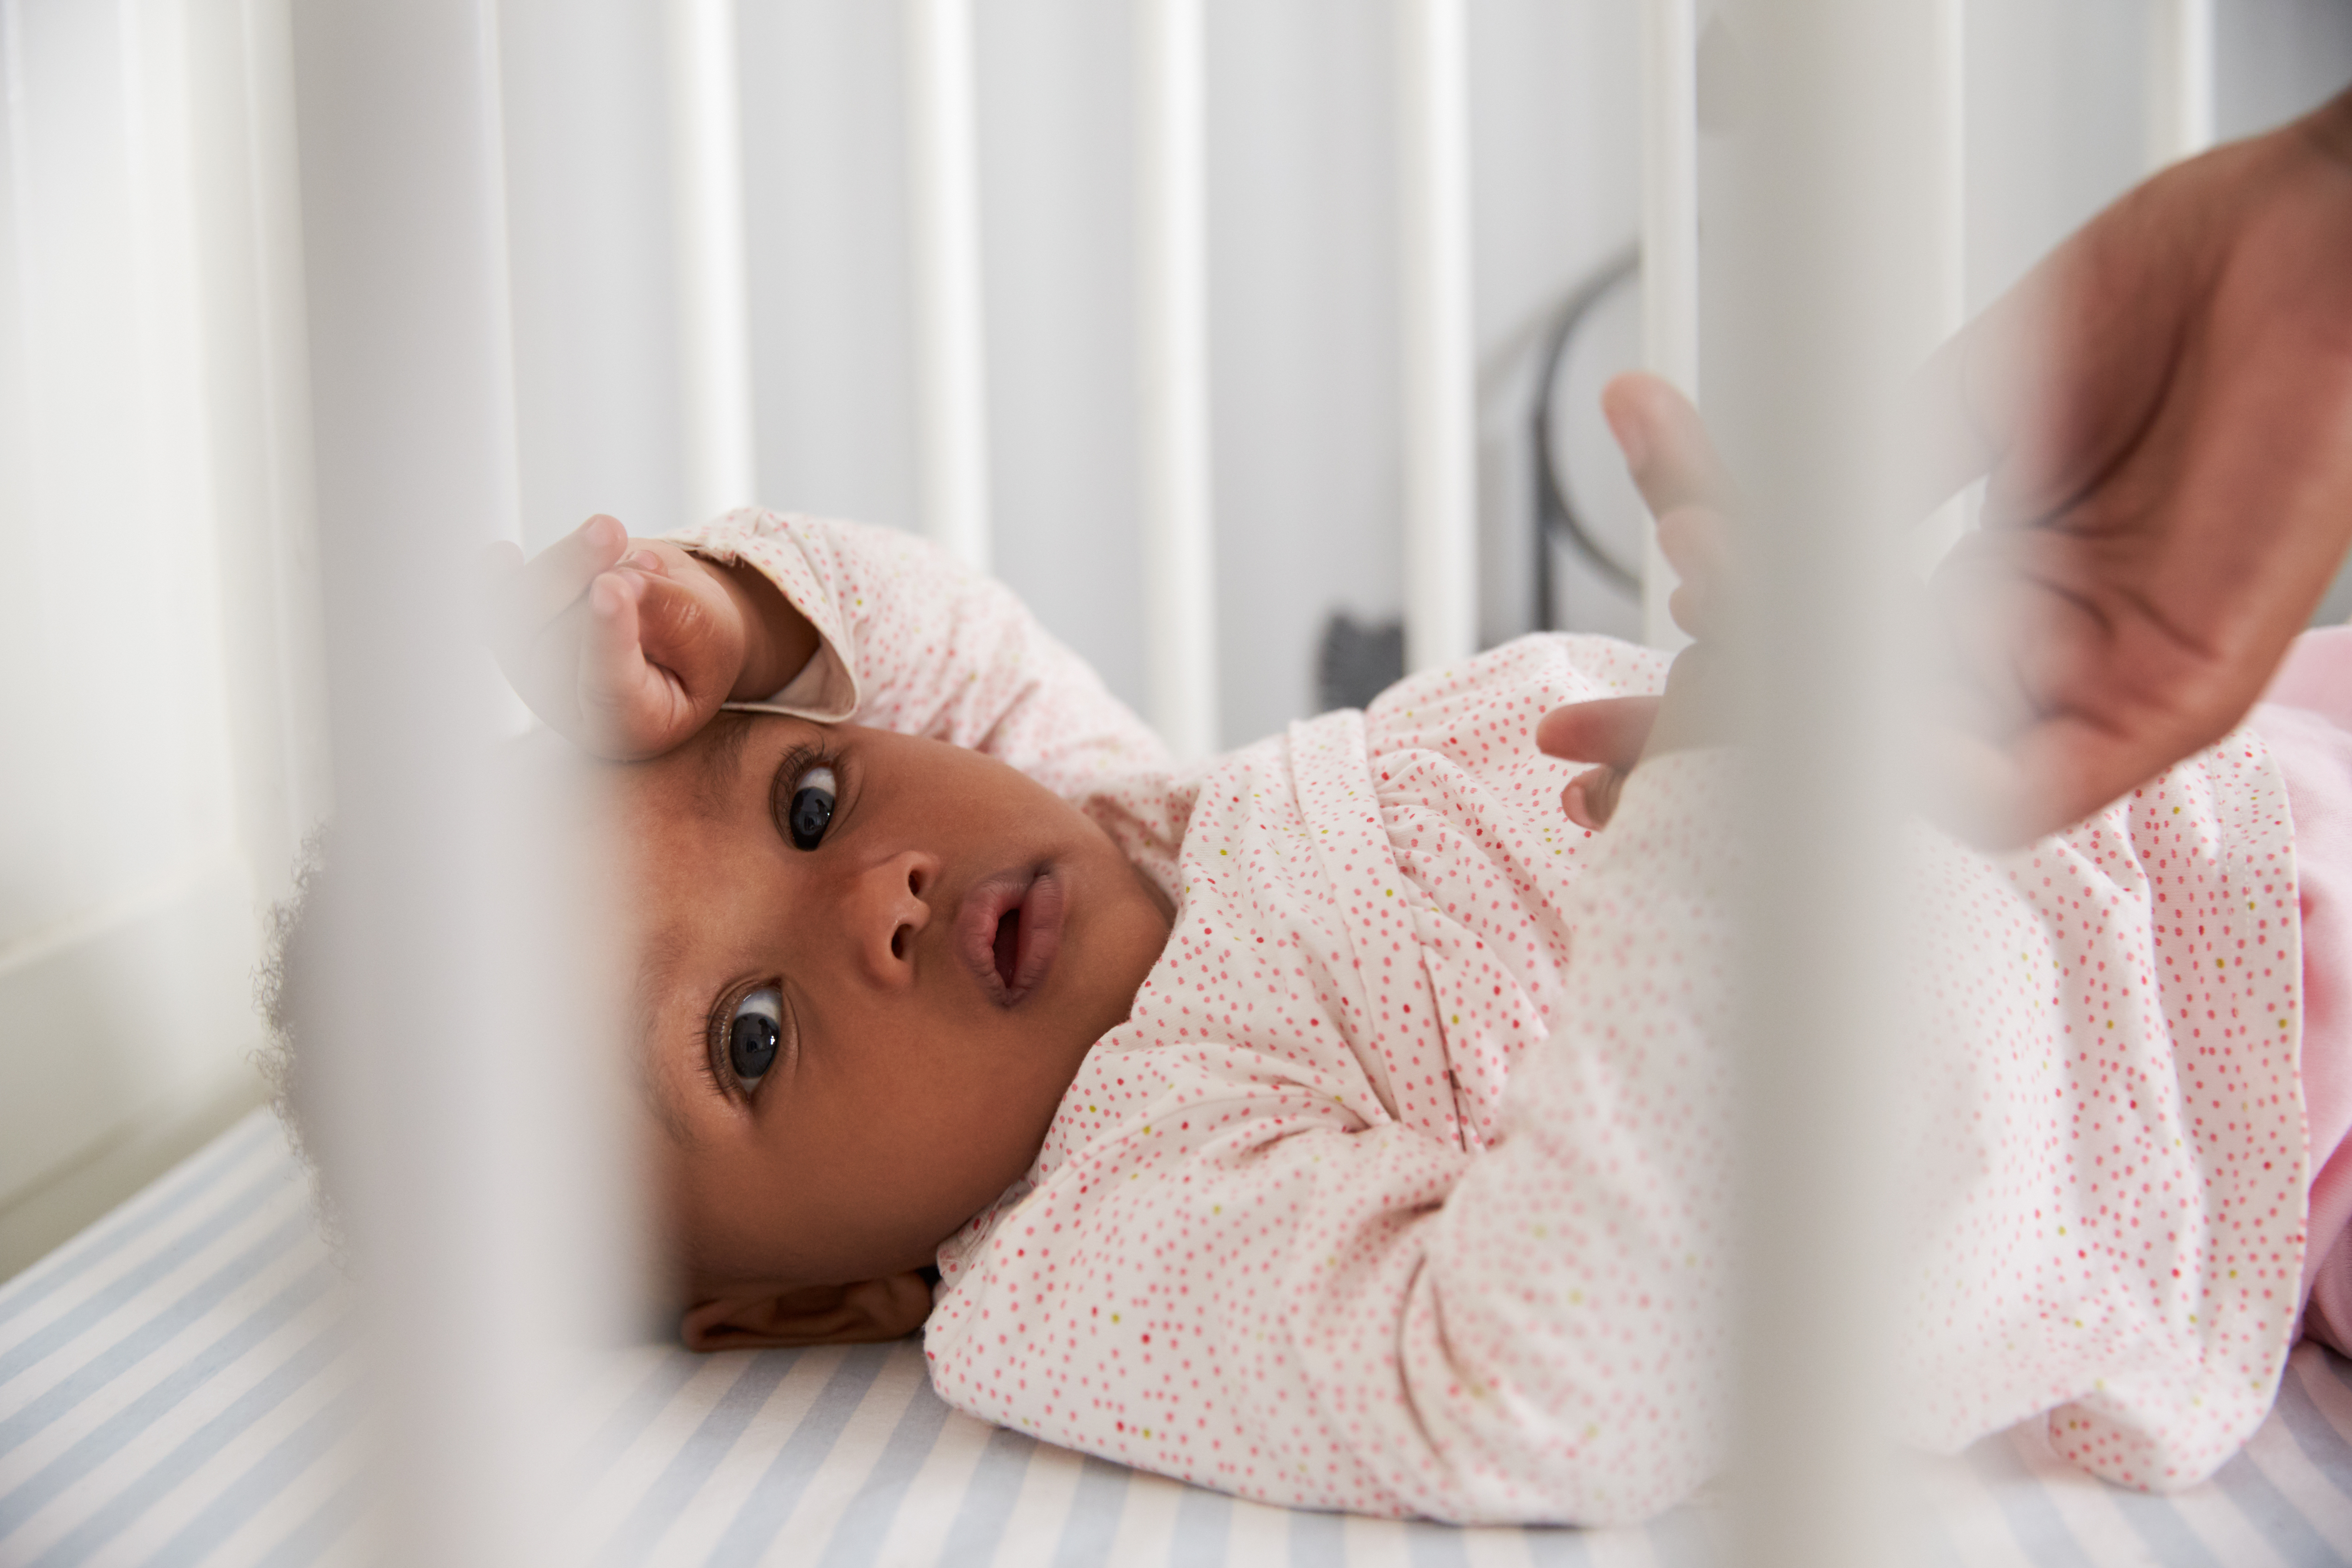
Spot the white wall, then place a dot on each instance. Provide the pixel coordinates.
(2056, 109)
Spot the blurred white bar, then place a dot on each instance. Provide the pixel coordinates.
(1950, 71)
(473, 1185)
(283, 404)
(2180, 81)
(1669, 244)
(714, 298)
(1950, 195)
(1173, 305)
(1440, 371)
(1833, 291)
(943, 188)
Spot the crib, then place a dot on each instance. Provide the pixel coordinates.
(186, 1380)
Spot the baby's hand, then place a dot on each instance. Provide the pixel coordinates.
(1619, 731)
(627, 647)
(1674, 463)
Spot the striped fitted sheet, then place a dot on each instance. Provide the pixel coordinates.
(174, 1389)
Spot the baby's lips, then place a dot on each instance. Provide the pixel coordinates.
(1041, 900)
(1041, 934)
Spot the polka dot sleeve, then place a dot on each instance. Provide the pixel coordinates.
(912, 641)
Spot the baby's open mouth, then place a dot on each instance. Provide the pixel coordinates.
(1008, 945)
(1009, 930)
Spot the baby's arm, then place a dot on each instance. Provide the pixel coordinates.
(629, 647)
(906, 639)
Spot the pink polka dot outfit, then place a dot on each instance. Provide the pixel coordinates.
(1407, 1187)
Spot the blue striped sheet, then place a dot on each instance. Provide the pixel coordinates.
(205, 1227)
(864, 1524)
(141, 1413)
(136, 1218)
(160, 1402)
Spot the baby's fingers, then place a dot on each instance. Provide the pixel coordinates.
(1668, 450)
(1611, 731)
(1697, 544)
(611, 657)
(553, 580)
(630, 706)
(1590, 797)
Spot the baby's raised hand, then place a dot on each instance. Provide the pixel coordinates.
(627, 647)
(1675, 466)
(1674, 463)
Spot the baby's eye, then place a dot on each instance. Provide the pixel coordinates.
(753, 1036)
(812, 808)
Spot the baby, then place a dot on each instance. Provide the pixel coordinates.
(1338, 1122)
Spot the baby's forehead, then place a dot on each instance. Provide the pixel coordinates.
(725, 739)
(700, 782)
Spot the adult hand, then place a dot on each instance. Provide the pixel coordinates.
(2164, 408)
(627, 647)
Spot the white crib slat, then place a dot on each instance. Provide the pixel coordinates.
(714, 300)
(1831, 292)
(1950, 74)
(1669, 243)
(2180, 81)
(480, 1255)
(1948, 301)
(943, 190)
(1441, 493)
(1173, 303)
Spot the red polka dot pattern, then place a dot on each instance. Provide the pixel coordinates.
(912, 641)
(1380, 1202)
(2124, 1244)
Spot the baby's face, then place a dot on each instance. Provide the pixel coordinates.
(870, 966)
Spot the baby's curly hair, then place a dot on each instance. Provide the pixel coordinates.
(284, 988)
(300, 971)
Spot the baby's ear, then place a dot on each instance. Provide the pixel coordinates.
(884, 1309)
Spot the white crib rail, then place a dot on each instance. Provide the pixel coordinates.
(1669, 244)
(1834, 289)
(713, 292)
(1439, 358)
(2180, 81)
(1948, 201)
(469, 1176)
(1178, 498)
(944, 261)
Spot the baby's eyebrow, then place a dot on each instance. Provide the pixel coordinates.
(722, 763)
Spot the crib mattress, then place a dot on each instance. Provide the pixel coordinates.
(175, 1388)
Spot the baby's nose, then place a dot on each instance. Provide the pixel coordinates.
(889, 910)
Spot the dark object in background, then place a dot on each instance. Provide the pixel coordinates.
(1357, 660)
(1555, 514)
